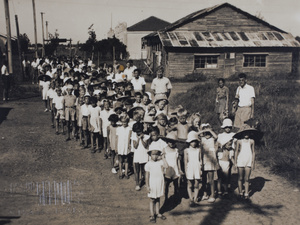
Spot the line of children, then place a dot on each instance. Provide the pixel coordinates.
(141, 137)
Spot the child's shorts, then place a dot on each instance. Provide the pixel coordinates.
(60, 114)
(85, 124)
(225, 165)
(123, 158)
(70, 113)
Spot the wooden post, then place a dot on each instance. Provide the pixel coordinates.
(43, 50)
(47, 34)
(35, 31)
(8, 40)
(19, 47)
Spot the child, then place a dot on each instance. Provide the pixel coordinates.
(193, 164)
(174, 169)
(51, 95)
(86, 113)
(245, 157)
(95, 124)
(225, 157)
(155, 180)
(140, 157)
(161, 102)
(172, 126)
(58, 102)
(210, 163)
(69, 108)
(145, 101)
(104, 115)
(162, 122)
(155, 138)
(112, 139)
(222, 100)
(44, 85)
(182, 126)
(138, 99)
(195, 121)
(123, 138)
(79, 103)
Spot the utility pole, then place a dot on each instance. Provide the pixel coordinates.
(19, 47)
(35, 32)
(43, 50)
(47, 34)
(8, 40)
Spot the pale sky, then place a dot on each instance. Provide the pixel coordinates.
(73, 17)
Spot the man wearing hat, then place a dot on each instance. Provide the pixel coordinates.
(246, 96)
(161, 85)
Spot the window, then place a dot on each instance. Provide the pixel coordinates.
(255, 60)
(206, 61)
(229, 55)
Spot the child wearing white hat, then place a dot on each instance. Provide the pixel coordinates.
(193, 164)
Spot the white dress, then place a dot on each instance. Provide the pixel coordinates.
(171, 155)
(95, 118)
(104, 115)
(140, 153)
(193, 170)
(123, 134)
(210, 161)
(244, 158)
(45, 85)
(156, 178)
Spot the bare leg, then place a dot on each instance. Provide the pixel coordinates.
(137, 173)
(246, 179)
(212, 183)
(126, 168)
(189, 190)
(157, 206)
(241, 171)
(168, 181)
(196, 190)
(120, 166)
(97, 140)
(152, 203)
(92, 140)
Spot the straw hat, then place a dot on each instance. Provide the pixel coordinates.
(118, 105)
(160, 98)
(81, 83)
(226, 123)
(149, 94)
(252, 132)
(110, 93)
(139, 108)
(87, 94)
(192, 136)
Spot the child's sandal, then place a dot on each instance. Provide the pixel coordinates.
(152, 219)
(161, 216)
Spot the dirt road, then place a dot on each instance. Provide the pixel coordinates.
(45, 180)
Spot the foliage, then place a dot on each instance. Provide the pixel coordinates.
(297, 38)
(276, 107)
(52, 46)
(24, 42)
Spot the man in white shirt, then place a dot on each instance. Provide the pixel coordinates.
(138, 82)
(129, 70)
(161, 86)
(5, 80)
(246, 95)
(34, 70)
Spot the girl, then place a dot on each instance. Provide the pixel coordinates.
(195, 121)
(222, 100)
(155, 180)
(104, 115)
(51, 95)
(245, 157)
(161, 103)
(140, 156)
(225, 157)
(172, 126)
(193, 163)
(96, 125)
(174, 169)
(210, 163)
(44, 86)
(123, 139)
(112, 139)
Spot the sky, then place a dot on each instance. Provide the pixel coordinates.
(72, 18)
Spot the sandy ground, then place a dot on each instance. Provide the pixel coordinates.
(45, 180)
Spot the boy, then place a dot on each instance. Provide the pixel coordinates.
(138, 82)
(58, 102)
(69, 108)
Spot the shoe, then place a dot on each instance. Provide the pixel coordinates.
(152, 219)
(211, 200)
(205, 197)
(137, 188)
(68, 139)
(46, 110)
(161, 216)
(123, 171)
(192, 203)
(114, 171)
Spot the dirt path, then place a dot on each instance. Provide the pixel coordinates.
(45, 180)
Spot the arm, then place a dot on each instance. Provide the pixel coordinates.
(108, 134)
(144, 143)
(147, 181)
(215, 136)
(253, 155)
(236, 152)
(168, 93)
(143, 88)
(185, 159)
(129, 138)
(227, 99)
(252, 108)
(136, 142)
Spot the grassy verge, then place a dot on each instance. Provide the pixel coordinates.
(277, 107)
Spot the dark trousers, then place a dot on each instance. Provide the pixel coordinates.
(6, 86)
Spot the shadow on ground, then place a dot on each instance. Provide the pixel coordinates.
(7, 219)
(3, 113)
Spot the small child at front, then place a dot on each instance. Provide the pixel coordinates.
(225, 157)
(244, 159)
(193, 164)
(123, 138)
(112, 140)
(140, 157)
(155, 180)
(173, 171)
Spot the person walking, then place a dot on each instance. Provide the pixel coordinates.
(6, 81)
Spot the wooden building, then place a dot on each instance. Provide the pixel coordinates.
(221, 41)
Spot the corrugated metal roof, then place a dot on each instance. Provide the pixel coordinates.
(227, 39)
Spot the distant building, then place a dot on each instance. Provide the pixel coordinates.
(221, 41)
(131, 36)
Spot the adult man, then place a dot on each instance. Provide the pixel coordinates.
(6, 81)
(129, 69)
(246, 95)
(138, 82)
(161, 85)
(34, 70)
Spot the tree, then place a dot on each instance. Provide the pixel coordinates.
(105, 47)
(24, 42)
(298, 38)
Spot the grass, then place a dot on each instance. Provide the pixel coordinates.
(277, 107)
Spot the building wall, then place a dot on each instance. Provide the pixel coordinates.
(134, 44)
(224, 19)
(181, 64)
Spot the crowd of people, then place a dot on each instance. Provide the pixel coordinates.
(107, 109)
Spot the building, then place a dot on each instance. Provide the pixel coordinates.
(221, 41)
(132, 36)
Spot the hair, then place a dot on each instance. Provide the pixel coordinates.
(161, 116)
(182, 112)
(138, 94)
(160, 68)
(242, 75)
(129, 61)
(154, 129)
(221, 79)
(138, 70)
(173, 120)
(124, 118)
(113, 118)
(138, 127)
(93, 100)
(194, 116)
